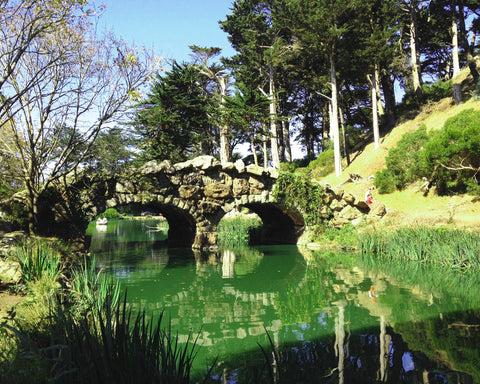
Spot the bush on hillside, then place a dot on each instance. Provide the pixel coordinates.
(323, 165)
(405, 162)
(432, 92)
(450, 157)
(453, 154)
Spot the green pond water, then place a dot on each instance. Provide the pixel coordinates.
(332, 318)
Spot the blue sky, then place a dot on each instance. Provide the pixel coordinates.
(170, 26)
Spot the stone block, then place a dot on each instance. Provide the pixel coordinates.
(217, 191)
(340, 222)
(204, 162)
(350, 213)
(189, 191)
(255, 169)
(240, 166)
(240, 187)
(362, 205)
(348, 198)
(324, 212)
(273, 172)
(337, 205)
(378, 209)
(228, 166)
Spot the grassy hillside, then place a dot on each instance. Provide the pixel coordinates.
(409, 206)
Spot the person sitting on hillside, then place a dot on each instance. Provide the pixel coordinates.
(368, 196)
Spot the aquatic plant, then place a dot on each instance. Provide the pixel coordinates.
(91, 289)
(452, 248)
(237, 231)
(122, 348)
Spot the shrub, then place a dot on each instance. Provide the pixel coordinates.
(453, 153)
(323, 165)
(405, 162)
(297, 191)
(431, 92)
(437, 91)
(110, 214)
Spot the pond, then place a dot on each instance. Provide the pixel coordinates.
(326, 317)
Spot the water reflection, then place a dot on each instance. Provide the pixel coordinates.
(329, 317)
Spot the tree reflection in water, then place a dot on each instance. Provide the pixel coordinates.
(330, 317)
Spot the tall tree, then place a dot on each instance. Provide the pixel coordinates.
(320, 25)
(262, 48)
(218, 75)
(247, 110)
(172, 121)
(61, 76)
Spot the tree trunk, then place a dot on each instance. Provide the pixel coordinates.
(273, 122)
(457, 91)
(416, 71)
(224, 143)
(380, 109)
(286, 140)
(346, 149)
(254, 151)
(32, 211)
(334, 118)
(376, 133)
(389, 95)
(455, 59)
(265, 152)
(472, 65)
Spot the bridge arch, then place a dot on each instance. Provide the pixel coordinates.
(195, 195)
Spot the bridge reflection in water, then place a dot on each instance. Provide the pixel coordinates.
(327, 315)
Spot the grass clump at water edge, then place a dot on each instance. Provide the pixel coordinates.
(453, 248)
(72, 327)
(238, 231)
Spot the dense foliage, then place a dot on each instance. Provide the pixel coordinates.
(448, 157)
(301, 193)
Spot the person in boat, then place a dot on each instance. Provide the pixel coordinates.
(102, 221)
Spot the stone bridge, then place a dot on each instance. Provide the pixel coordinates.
(195, 195)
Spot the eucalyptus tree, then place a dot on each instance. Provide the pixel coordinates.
(247, 111)
(58, 72)
(466, 9)
(218, 74)
(373, 40)
(319, 26)
(262, 48)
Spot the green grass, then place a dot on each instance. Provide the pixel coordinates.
(38, 257)
(453, 248)
(237, 231)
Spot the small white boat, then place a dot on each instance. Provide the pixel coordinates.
(102, 221)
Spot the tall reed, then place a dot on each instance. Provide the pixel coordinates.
(91, 289)
(38, 257)
(122, 348)
(452, 248)
(237, 231)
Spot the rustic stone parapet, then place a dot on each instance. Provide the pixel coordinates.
(194, 195)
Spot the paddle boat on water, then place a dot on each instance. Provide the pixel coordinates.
(102, 221)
